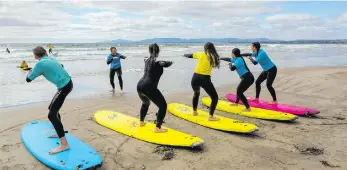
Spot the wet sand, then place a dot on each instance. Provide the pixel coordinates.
(310, 143)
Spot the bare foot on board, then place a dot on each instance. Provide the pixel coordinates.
(142, 124)
(211, 118)
(59, 149)
(246, 110)
(195, 113)
(53, 136)
(159, 130)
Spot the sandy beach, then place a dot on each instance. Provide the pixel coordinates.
(307, 144)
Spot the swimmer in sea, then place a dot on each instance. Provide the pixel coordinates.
(54, 72)
(147, 88)
(207, 60)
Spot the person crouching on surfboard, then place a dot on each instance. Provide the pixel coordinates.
(207, 60)
(147, 87)
(247, 78)
(54, 72)
(269, 70)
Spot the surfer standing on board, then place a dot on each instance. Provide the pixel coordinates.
(247, 78)
(54, 72)
(115, 67)
(269, 70)
(147, 87)
(207, 60)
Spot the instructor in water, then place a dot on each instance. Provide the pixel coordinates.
(50, 46)
(54, 72)
(147, 88)
(269, 70)
(115, 67)
(247, 78)
(207, 60)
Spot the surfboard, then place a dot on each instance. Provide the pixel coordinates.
(128, 125)
(79, 156)
(225, 124)
(255, 112)
(296, 110)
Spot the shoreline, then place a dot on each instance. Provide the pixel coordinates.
(275, 146)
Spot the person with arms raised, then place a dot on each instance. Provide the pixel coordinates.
(269, 70)
(115, 67)
(207, 60)
(247, 79)
(147, 88)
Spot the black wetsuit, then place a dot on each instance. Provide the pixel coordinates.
(114, 71)
(268, 75)
(147, 89)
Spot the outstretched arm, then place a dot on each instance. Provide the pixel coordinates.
(246, 54)
(123, 57)
(165, 63)
(188, 55)
(228, 59)
(253, 61)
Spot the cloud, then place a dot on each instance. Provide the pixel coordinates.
(78, 21)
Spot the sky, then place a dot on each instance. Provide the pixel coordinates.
(77, 21)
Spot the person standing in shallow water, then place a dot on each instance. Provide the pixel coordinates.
(207, 60)
(54, 72)
(269, 70)
(147, 88)
(7, 50)
(115, 67)
(50, 47)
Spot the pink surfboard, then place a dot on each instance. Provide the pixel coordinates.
(296, 110)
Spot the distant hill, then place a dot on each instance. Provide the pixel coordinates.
(224, 40)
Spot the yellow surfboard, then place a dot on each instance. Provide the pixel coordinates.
(129, 126)
(255, 112)
(225, 124)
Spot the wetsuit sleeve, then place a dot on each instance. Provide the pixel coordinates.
(62, 65)
(164, 63)
(228, 59)
(246, 54)
(188, 55)
(232, 67)
(122, 57)
(109, 59)
(36, 71)
(253, 61)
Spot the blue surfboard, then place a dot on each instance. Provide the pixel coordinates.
(79, 156)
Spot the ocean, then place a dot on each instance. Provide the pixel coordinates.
(86, 63)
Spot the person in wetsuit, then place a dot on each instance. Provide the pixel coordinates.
(24, 66)
(269, 70)
(247, 79)
(50, 46)
(54, 72)
(7, 50)
(147, 87)
(207, 60)
(115, 67)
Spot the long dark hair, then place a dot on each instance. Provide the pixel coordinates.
(257, 46)
(154, 53)
(212, 54)
(237, 53)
